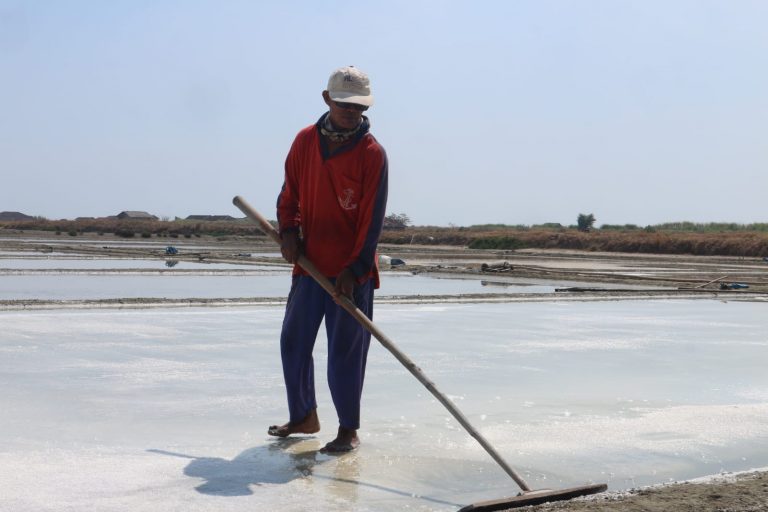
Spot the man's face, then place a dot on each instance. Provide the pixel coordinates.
(344, 116)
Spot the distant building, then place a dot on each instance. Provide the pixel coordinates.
(210, 217)
(133, 215)
(14, 216)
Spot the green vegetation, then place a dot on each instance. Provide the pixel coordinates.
(619, 227)
(396, 221)
(548, 225)
(710, 227)
(496, 242)
(496, 227)
(585, 222)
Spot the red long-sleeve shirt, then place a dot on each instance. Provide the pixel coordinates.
(337, 200)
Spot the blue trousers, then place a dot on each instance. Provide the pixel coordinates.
(348, 342)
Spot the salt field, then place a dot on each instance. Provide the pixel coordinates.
(165, 409)
(79, 278)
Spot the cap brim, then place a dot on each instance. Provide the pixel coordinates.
(351, 98)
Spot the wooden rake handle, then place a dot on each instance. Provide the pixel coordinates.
(350, 307)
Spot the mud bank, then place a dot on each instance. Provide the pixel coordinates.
(743, 492)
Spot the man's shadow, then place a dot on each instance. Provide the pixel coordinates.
(279, 462)
(274, 463)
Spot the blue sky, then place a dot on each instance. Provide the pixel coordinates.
(516, 112)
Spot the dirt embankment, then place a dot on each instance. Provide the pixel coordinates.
(720, 243)
(700, 240)
(740, 493)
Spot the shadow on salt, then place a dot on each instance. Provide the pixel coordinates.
(282, 461)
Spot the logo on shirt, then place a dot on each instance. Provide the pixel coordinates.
(346, 200)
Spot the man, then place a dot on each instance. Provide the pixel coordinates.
(331, 209)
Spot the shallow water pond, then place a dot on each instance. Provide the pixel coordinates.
(80, 279)
(116, 264)
(259, 281)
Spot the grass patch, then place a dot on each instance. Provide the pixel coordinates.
(497, 242)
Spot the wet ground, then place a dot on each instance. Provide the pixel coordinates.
(629, 393)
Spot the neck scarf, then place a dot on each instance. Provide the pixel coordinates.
(334, 135)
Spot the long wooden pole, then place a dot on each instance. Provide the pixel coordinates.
(350, 307)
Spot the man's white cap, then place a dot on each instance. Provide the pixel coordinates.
(350, 85)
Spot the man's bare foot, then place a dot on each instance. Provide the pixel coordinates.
(345, 441)
(309, 425)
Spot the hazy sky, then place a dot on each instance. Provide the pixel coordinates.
(517, 111)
